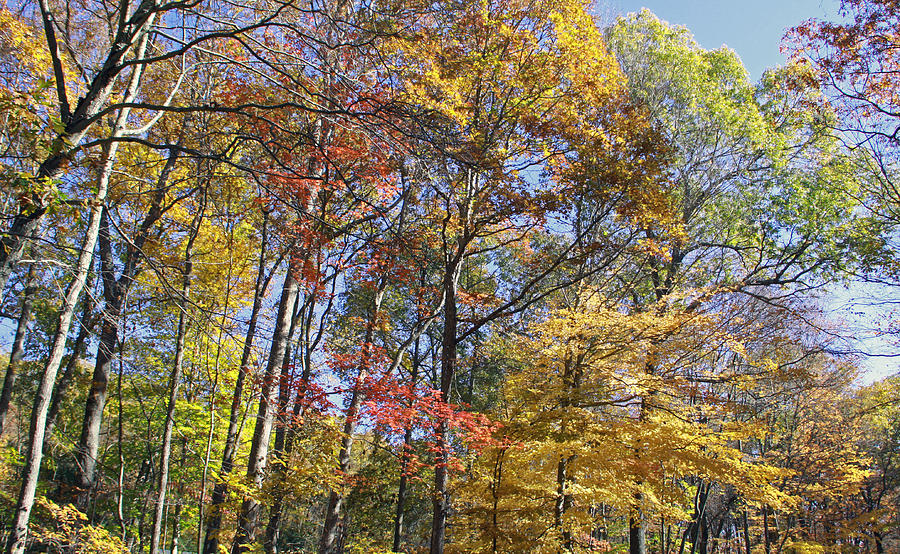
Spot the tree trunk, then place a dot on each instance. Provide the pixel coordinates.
(19, 528)
(637, 535)
(562, 501)
(89, 443)
(698, 524)
(174, 383)
(746, 533)
(441, 500)
(703, 537)
(18, 348)
(176, 530)
(327, 545)
(404, 461)
(572, 382)
(284, 434)
(248, 519)
(220, 491)
(61, 389)
(402, 490)
(115, 293)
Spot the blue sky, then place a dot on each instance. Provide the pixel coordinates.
(751, 28)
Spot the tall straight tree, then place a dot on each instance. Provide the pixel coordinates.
(220, 490)
(248, 519)
(175, 377)
(115, 293)
(37, 428)
(18, 349)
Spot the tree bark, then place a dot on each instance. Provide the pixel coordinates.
(248, 519)
(746, 533)
(220, 491)
(449, 344)
(402, 491)
(284, 434)
(698, 523)
(562, 501)
(637, 535)
(18, 348)
(404, 462)
(61, 389)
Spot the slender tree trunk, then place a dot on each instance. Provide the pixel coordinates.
(746, 532)
(496, 483)
(176, 530)
(572, 382)
(441, 499)
(404, 461)
(248, 519)
(284, 435)
(174, 384)
(220, 491)
(667, 533)
(120, 424)
(114, 292)
(213, 391)
(89, 443)
(18, 348)
(61, 389)
(402, 490)
(19, 528)
(561, 503)
(328, 545)
(698, 523)
(703, 537)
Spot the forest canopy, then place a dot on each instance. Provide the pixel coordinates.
(456, 276)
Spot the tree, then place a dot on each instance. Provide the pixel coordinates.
(515, 84)
(574, 403)
(16, 539)
(855, 61)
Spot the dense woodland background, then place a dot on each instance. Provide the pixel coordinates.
(462, 276)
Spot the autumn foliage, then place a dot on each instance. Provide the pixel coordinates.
(462, 276)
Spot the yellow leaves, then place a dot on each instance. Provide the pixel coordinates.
(803, 547)
(592, 69)
(654, 248)
(18, 42)
(66, 528)
(611, 400)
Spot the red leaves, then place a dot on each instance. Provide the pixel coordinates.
(394, 408)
